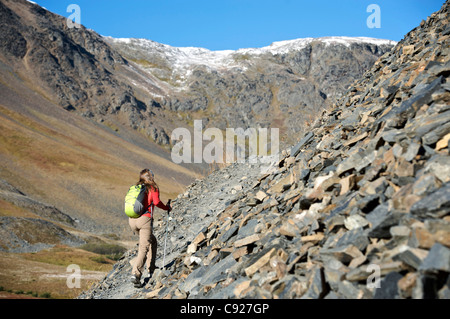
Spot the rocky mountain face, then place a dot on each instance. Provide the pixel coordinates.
(282, 85)
(71, 138)
(28, 234)
(74, 65)
(155, 88)
(357, 208)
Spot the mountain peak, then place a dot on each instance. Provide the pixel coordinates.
(185, 56)
(249, 87)
(281, 47)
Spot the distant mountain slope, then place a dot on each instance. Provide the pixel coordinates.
(282, 85)
(75, 69)
(155, 88)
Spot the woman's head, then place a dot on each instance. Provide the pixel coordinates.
(146, 178)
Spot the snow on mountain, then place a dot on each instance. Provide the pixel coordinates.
(179, 57)
(184, 57)
(347, 41)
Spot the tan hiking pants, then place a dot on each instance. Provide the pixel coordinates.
(143, 226)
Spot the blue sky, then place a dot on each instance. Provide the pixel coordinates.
(234, 24)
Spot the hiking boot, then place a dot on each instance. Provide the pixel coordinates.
(136, 281)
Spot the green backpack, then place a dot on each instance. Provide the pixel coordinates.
(134, 201)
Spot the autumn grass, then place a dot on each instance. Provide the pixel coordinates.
(111, 251)
(9, 209)
(65, 256)
(44, 274)
(80, 168)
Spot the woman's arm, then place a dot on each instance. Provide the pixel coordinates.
(156, 201)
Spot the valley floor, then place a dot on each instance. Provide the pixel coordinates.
(45, 274)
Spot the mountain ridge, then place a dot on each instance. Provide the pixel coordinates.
(277, 47)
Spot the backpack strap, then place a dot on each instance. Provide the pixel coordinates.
(149, 208)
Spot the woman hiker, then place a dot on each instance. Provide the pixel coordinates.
(144, 227)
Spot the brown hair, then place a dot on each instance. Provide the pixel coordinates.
(146, 178)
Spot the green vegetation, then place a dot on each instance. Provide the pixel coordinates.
(44, 273)
(111, 251)
(95, 257)
(147, 64)
(241, 57)
(34, 294)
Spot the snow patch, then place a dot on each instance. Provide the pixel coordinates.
(347, 41)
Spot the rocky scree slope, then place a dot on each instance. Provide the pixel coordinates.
(365, 193)
(42, 228)
(196, 209)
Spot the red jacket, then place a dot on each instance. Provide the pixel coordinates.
(152, 199)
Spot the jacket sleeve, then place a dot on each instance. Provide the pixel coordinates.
(157, 202)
